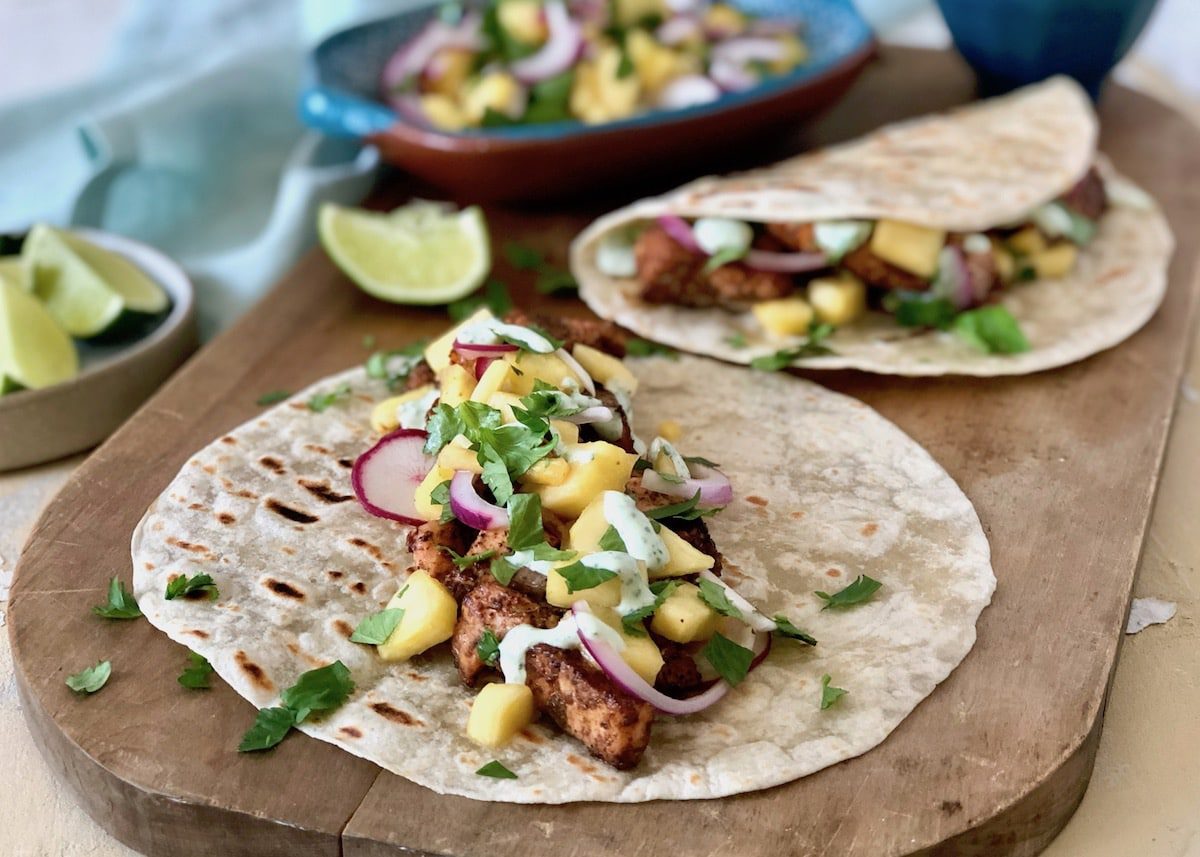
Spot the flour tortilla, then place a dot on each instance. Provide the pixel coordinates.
(973, 169)
(822, 483)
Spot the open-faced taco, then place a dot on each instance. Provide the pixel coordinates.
(500, 570)
(990, 240)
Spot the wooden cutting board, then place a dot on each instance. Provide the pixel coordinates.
(1062, 467)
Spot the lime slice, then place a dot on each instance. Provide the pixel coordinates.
(15, 271)
(87, 289)
(34, 350)
(418, 254)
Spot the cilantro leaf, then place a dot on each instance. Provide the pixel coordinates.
(829, 694)
(503, 570)
(525, 521)
(856, 592)
(440, 495)
(91, 679)
(549, 101)
(813, 346)
(714, 595)
(522, 256)
(579, 576)
(488, 647)
(635, 347)
(736, 340)
(121, 604)
(388, 366)
(368, 341)
(376, 628)
(991, 329)
(320, 402)
(701, 460)
(687, 510)
(318, 690)
(196, 674)
(612, 541)
(632, 621)
(185, 586)
(497, 771)
(553, 281)
(914, 310)
(464, 560)
(731, 661)
(495, 474)
(272, 398)
(494, 296)
(270, 727)
(785, 628)
(724, 257)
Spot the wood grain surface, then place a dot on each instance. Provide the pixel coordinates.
(1062, 467)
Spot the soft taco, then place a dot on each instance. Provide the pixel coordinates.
(990, 240)
(481, 580)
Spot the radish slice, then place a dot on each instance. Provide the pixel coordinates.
(473, 351)
(787, 263)
(560, 51)
(714, 486)
(474, 511)
(751, 614)
(688, 91)
(599, 414)
(386, 476)
(585, 380)
(680, 232)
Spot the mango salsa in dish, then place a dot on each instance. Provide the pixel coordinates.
(524, 62)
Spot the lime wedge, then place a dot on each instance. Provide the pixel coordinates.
(87, 289)
(419, 254)
(13, 270)
(34, 350)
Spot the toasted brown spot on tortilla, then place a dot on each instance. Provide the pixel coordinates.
(1113, 274)
(582, 764)
(317, 448)
(359, 587)
(229, 439)
(396, 715)
(285, 511)
(336, 575)
(149, 566)
(226, 518)
(797, 516)
(951, 807)
(756, 500)
(209, 469)
(416, 676)
(367, 546)
(298, 406)
(271, 463)
(343, 627)
(695, 778)
(246, 493)
(253, 670)
(869, 529)
(282, 587)
(351, 731)
(323, 492)
(531, 736)
(833, 572)
(287, 549)
(346, 462)
(186, 546)
(196, 632)
(364, 397)
(196, 507)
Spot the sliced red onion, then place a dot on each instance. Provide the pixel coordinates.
(679, 6)
(560, 51)
(473, 351)
(679, 29)
(743, 50)
(386, 476)
(585, 380)
(599, 414)
(414, 55)
(955, 277)
(751, 614)
(474, 511)
(481, 366)
(688, 91)
(680, 232)
(731, 76)
(787, 263)
(715, 489)
(614, 666)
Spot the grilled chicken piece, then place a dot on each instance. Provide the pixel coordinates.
(669, 272)
(526, 581)
(420, 375)
(679, 675)
(797, 237)
(861, 262)
(736, 285)
(490, 606)
(1088, 197)
(693, 532)
(426, 544)
(589, 432)
(601, 335)
(585, 703)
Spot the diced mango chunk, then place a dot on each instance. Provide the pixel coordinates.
(607, 594)
(584, 535)
(605, 368)
(1027, 242)
(494, 379)
(670, 430)
(684, 617)
(1006, 265)
(548, 471)
(595, 467)
(437, 353)
(443, 112)
(424, 504)
(655, 63)
(430, 612)
(795, 52)
(724, 19)
(504, 403)
(838, 300)
(568, 432)
(1056, 261)
(456, 383)
(500, 711)
(641, 653)
(454, 457)
(384, 416)
(908, 246)
(684, 559)
(497, 91)
(599, 94)
(632, 12)
(449, 70)
(785, 316)
(529, 367)
(522, 19)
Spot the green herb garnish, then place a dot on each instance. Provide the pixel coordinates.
(525, 521)
(714, 595)
(857, 592)
(320, 402)
(196, 674)
(612, 541)
(813, 346)
(724, 257)
(488, 647)
(503, 570)
(991, 329)
(731, 661)
(553, 281)
(270, 727)
(368, 341)
(785, 628)
(687, 510)
(829, 694)
(579, 576)
(632, 621)
(912, 310)
(376, 628)
(736, 340)
(635, 347)
(316, 690)
(383, 365)
(522, 256)
(121, 604)
(272, 397)
(185, 586)
(464, 560)
(497, 771)
(440, 495)
(91, 679)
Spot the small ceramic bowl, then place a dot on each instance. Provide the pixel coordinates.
(560, 158)
(42, 425)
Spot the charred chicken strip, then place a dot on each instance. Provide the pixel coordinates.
(427, 544)
(595, 333)
(492, 607)
(670, 273)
